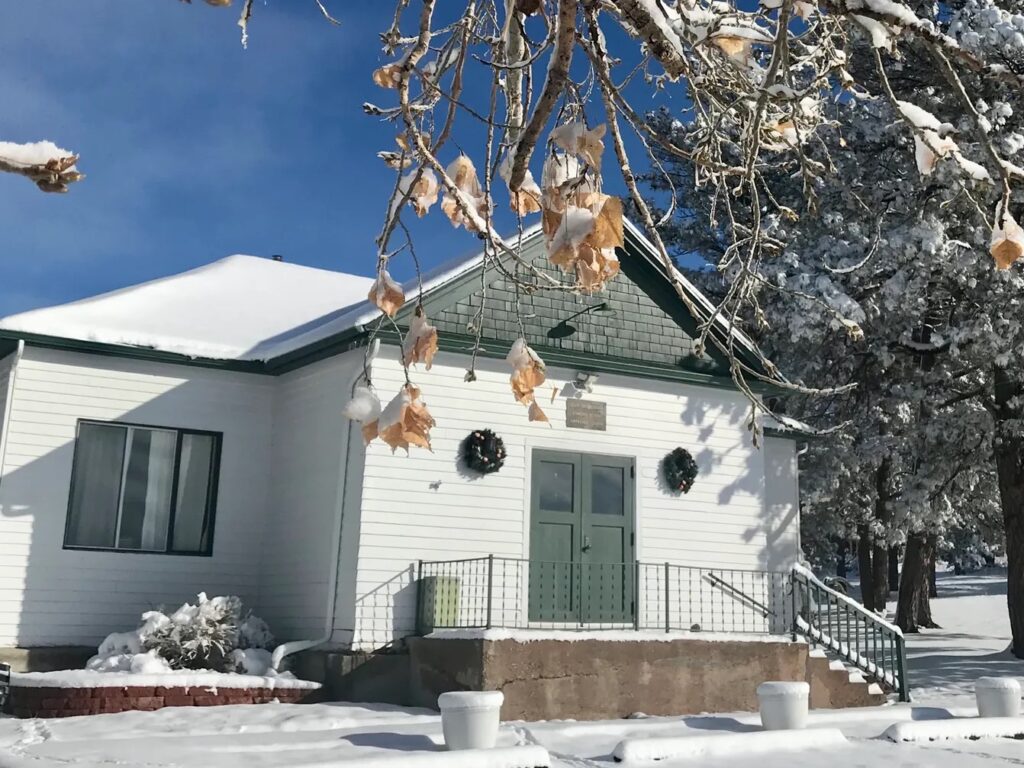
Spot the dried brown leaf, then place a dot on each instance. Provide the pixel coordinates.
(733, 46)
(388, 76)
(1007, 244)
(608, 232)
(582, 141)
(406, 421)
(536, 414)
(525, 380)
(463, 174)
(595, 267)
(420, 343)
(424, 193)
(1006, 252)
(386, 294)
(526, 200)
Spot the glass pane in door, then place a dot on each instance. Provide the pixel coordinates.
(608, 484)
(555, 483)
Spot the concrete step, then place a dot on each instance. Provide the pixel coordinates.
(834, 686)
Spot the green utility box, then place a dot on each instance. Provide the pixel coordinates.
(438, 603)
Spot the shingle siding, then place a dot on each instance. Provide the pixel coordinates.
(636, 329)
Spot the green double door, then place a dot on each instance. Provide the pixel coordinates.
(581, 538)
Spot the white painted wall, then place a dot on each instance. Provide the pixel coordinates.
(421, 506)
(782, 502)
(300, 543)
(285, 471)
(52, 596)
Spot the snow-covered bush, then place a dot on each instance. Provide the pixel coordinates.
(215, 634)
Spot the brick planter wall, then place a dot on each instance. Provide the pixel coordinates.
(30, 701)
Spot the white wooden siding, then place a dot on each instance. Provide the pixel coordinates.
(52, 596)
(308, 465)
(424, 507)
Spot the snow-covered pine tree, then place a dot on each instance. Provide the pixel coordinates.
(878, 282)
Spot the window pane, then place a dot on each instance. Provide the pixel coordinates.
(555, 482)
(96, 485)
(607, 490)
(191, 532)
(148, 481)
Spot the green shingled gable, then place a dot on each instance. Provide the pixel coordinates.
(638, 336)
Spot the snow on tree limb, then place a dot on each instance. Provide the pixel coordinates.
(49, 166)
(759, 87)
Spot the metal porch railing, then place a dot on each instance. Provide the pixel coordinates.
(845, 628)
(511, 593)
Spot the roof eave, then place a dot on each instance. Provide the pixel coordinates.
(137, 353)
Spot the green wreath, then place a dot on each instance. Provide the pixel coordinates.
(483, 451)
(679, 470)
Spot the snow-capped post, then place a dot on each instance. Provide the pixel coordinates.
(783, 705)
(997, 696)
(490, 588)
(470, 719)
(5, 684)
(668, 608)
(636, 595)
(419, 595)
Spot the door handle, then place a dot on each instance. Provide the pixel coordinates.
(586, 544)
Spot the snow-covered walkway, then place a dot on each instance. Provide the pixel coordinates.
(944, 664)
(974, 639)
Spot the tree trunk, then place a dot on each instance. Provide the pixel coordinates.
(879, 552)
(841, 549)
(933, 589)
(1009, 455)
(867, 593)
(894, 569)
(913, 610)
(1010, 469)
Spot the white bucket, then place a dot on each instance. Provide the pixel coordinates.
(783, 705)
(997, 696)
(470, 719)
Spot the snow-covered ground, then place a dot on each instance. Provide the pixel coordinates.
(943, 663)
(974, 640)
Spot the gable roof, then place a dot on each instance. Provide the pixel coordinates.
(255, 314)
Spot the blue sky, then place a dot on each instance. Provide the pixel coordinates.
(193, 148)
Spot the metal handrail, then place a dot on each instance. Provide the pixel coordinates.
(726, 586)
(850, 631)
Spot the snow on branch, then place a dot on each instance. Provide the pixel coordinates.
(760, 94)
(49, 166)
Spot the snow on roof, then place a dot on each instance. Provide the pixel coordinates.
(358, 315)
(233, 309)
